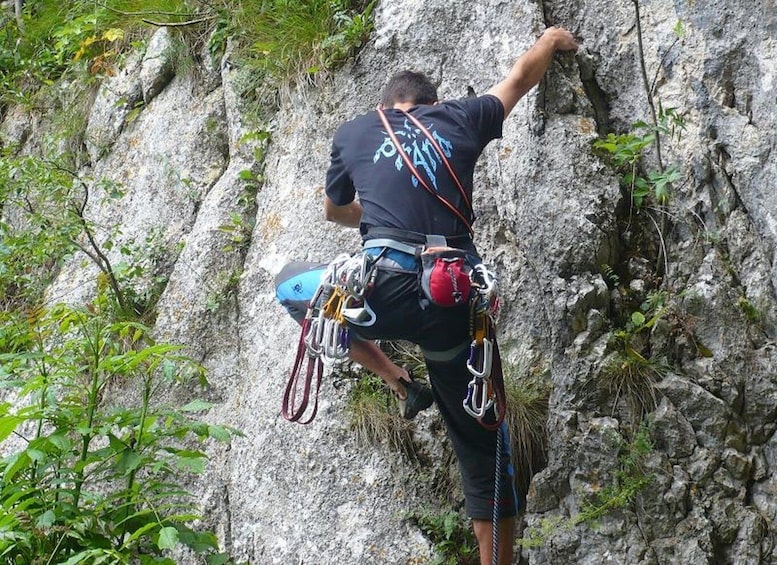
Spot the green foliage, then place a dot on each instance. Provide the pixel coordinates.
(527, 415)
(373, 416)
(630, 479)
(282, 39)
(56, 38)
(47, 203)
(37, 230)
(610, 276)
(628, 373)
(224, 289)
(371, 407)
(277, 42)
(640, 322)
(627, 151)
(678, 29)
(751, 312)
(84, 480)
(451, 535)
(290, 39)
(239, 231)
(142, 272)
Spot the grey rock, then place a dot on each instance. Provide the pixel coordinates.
(707, 414)
(551, 214)
(156, 69)
(672, 433)
(117, 100)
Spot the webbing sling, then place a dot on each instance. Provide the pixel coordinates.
(445, 202)
(293, 409)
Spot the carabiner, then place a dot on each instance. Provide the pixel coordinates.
(335, 342)
(478, 400)
(485, 359)
(313, 339)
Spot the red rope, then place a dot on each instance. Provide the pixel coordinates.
(418, 176)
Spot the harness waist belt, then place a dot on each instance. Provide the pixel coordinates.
(411, 237)
(405, 256)
(414, 250)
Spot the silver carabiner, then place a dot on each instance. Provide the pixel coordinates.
(359, 315)
(312, 339)
(487, 356)
(335, 342)
(357, 274)
(477, 402)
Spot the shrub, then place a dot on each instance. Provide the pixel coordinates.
(85, 481)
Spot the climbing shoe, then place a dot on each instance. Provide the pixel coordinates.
(419, 397)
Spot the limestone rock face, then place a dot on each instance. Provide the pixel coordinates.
(575, 257)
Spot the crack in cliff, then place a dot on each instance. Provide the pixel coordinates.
(595, 94)
(228, 519)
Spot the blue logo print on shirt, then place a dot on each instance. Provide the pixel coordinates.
(418, 147)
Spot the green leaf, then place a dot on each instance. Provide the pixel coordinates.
(196, 406)
(638, 319)
(46, 520)
(217, 559)
(219, 433)
(191, 464)
(145, 528)
(128, 461)
(168, 538)
(116, 443)
(17, 462)
(8, 425)
(155, 560)
(678, 29)
(36, 455)
(79, 557)
(60, 441)
(198, 542)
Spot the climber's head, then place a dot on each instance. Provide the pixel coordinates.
(409, 87)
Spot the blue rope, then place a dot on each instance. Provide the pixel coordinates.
(497, 492)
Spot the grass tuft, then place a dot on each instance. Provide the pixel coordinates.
(527, 415)
(374, 417)
(632, 378)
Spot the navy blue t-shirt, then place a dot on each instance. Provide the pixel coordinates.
(365, 160)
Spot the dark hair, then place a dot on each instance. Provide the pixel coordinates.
(409, 86)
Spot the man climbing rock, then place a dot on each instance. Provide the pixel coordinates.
(411, 165)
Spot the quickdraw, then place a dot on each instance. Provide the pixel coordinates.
(325, 339)
(486, 389)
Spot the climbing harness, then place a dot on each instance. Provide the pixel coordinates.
(324, 339)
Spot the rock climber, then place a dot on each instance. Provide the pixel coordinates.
(398, 200)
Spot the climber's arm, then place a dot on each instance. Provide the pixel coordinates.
(530, 67)
(349, 215)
